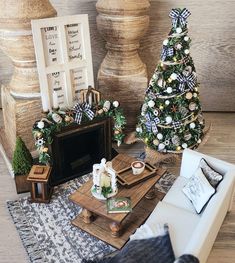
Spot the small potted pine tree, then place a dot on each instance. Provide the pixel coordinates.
(21, 164)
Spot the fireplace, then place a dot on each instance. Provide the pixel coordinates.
(75, 149)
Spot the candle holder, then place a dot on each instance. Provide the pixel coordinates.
(41, 190)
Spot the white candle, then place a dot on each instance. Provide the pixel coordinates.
(44, 103)
(39, 186)
(55, 100)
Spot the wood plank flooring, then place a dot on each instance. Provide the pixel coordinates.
(221, 144)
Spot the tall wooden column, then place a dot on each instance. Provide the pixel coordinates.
(122, 75)
(21, 100)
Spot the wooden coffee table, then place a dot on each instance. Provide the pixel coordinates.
(115, 229)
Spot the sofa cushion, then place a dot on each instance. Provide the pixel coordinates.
(153, 249)
(176, 197)
(213, 177)
(198, 190)
(181, 225)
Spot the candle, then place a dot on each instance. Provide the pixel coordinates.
(55, 100)
(44, 103)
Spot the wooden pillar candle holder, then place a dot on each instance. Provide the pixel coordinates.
(40, 187)
(122, 74)
(21, 99)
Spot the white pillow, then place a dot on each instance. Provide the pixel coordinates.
(198, 190)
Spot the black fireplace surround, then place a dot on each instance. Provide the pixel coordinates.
(76, 148)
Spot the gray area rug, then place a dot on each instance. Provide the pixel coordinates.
(46, 230)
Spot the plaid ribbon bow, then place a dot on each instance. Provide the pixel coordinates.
(151, 125)
(167, 52)
(176, 124)
(83, 108)
(190, 81)
(179, 17)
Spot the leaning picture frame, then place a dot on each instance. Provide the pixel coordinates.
(64, 61)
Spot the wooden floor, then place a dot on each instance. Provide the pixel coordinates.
(221, 144)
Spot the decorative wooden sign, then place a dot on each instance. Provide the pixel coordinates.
(63, 53)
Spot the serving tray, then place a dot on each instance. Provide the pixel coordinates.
(126, 178)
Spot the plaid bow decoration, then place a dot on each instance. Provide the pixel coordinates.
(167, 52)
(176, 124)
(179, 17)
(151, 125)
(83, 108)
(190, 81)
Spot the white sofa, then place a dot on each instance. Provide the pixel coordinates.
(192, 233)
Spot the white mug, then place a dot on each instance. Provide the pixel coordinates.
(137, 167)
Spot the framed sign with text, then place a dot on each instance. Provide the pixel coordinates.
(64, 62)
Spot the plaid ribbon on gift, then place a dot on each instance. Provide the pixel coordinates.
(83, 108)
(167, 52)
(151, 125)
(190, 81)
(179, 17)
(176, 124)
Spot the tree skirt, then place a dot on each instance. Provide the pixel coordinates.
(46, 230)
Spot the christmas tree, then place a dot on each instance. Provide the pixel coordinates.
(171, 117)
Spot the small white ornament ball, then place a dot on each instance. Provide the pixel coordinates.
(169, 90)
(168, 119)
(186, 52)
(161, 146)
(115, 104)
(184, 145)
(167, 102)
(195, 95)
(178, 46)
(174, 76)
(165, 42)
(151, 103)
(192, 125)
(186, 38)
(156, 142)
(139, 129)
(159, 136)
(199, 141)
(40, 124)
(178, 30)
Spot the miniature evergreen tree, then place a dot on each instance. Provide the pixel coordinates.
(22, 158)
(171, 117)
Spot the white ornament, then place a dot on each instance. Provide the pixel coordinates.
(165, 42)
(174, 76)
(192, 125)
(186, 52)
(195, 95)
(106, 105)
(166, 142)
(139, 129)
(186, 38)
(169, 90)
(178, 46)
(40, 124)
(156, 142)
(159, 136)
(184, 145)
(151, 103)
(178, 30)
(144, 107)
(199, 141)
(115, 104)
(161, 146)
(168, 119)
(167, 102)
